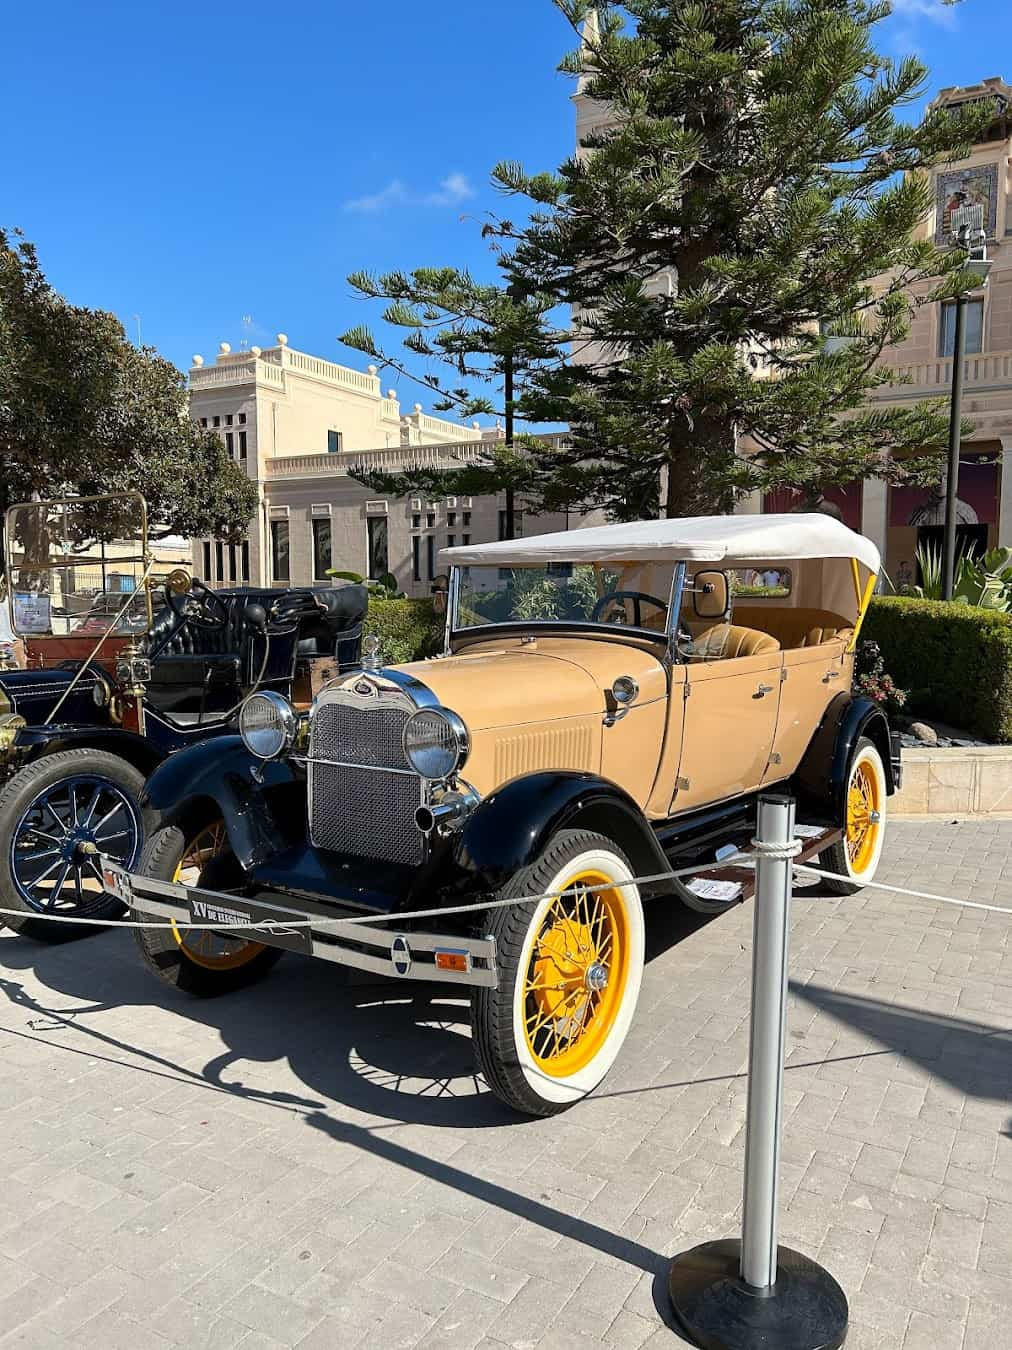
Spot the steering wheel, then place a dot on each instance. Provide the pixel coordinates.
(199, 606)
(635, 596)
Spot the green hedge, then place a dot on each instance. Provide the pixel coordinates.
(407, 629)
(954, 660)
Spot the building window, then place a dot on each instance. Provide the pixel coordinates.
(217, 421)
(242, 419)
(279, 551)
(430, 555)
(322, 556)
(232, 558)
(203, 421)
(518, 524)
(416, 557)
(244, 553)
(450, 541)
(219, 561)
(467, 519)
(451, 518)
(430, 520)
(242, 445)
(228, 419)
(465, 539)
(379, 557)
(974, 327)
(416, 522)
(207, 559)
(230, 443)
(335, 442)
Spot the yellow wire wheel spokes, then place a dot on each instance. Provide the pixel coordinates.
(211, 950)
(864, 815)
(576, 974)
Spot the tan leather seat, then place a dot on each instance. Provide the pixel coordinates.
(725, 641)
(815, 637)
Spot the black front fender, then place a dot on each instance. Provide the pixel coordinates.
(823, 773)
(31, 742)
(513, 825)
(216, 779)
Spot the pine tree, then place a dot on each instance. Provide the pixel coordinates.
(753, 185)
(752, 195)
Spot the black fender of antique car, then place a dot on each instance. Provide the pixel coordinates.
(821, 778)
(262, 802)
(32, 742)
(512, 826)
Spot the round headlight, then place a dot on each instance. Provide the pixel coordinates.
(435, 742)
(267, 724)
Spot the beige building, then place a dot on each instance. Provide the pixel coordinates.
(295, 423)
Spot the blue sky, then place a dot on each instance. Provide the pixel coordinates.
(197, 164)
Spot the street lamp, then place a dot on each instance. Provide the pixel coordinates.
(967, 229)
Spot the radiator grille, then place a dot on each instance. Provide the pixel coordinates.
(367, 811)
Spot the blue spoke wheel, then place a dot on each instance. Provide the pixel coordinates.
(57, 816)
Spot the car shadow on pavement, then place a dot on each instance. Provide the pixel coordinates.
(973, 1057)
(396, 1049)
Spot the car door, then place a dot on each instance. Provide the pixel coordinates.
(730, 718)
(812, 677)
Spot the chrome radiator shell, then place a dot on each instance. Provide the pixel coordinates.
(362, 797)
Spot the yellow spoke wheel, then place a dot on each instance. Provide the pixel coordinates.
(855, 857)
(570, 964)
(212, 951)
(864, 813)
(576, 975)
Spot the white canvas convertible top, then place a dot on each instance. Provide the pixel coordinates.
(726, 539)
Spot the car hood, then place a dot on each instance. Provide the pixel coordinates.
(498, 688)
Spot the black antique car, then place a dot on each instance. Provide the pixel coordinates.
(127, 662)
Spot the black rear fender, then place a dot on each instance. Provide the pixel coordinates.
(513, 825)
(215, 781)
(823, 773)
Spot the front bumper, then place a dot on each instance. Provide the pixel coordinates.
(402, 955)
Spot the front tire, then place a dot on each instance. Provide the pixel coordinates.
(198, 961)
(570, 969)
(856, 856)
(54, 814)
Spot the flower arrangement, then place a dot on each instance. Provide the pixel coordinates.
(871, 680)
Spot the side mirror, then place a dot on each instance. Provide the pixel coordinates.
(256, 616)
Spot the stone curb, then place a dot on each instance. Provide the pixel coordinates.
(955, 781)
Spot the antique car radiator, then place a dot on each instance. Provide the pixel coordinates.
(362, 795)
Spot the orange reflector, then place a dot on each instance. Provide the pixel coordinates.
(453, 961)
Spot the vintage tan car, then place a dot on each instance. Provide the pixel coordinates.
(608, 705)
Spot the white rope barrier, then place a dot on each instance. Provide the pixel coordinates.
(780, 851)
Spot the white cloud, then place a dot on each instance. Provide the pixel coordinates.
(452, 190)
(935, 10)
(392, 195)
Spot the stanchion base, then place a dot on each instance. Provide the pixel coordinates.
(805, 1310)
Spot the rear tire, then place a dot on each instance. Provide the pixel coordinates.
(856, 856)
(569, 976)
(198, 962)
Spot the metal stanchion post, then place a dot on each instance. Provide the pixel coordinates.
(754, 1294)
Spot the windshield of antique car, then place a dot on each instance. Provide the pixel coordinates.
(77, 567)
(635, 595)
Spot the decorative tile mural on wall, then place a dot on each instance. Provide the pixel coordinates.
(977, 186)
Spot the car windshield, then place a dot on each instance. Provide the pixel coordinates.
(633, 594)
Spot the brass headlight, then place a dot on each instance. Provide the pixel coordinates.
(10, 725)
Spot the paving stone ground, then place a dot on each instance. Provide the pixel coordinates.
(311, 1163)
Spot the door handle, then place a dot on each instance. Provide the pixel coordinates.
(763, 690)
(830, 675)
